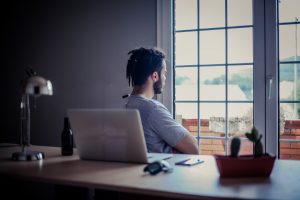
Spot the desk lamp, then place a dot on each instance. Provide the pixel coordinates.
(34, 86)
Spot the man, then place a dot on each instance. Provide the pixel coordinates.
(146, 72)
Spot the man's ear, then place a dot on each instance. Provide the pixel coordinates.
(154, 76)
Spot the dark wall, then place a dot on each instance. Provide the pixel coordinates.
(80, 46)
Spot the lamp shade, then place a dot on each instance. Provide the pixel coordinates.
(36, 86)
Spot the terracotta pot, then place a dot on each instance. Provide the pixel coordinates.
(245, 166)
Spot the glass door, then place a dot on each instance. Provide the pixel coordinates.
(289, 77)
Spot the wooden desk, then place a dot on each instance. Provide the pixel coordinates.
(197, 182)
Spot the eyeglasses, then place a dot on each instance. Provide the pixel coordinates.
(158, 166)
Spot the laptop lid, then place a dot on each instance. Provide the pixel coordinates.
(109, 135)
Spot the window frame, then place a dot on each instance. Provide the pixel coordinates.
(165, 42)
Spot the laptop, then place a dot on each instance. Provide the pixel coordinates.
(111, 135)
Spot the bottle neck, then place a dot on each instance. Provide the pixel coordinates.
(66, 123)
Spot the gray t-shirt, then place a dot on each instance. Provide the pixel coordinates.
(161, 131)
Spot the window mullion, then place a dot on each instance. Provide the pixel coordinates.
(271, 55)
(226, 79)
(165, 42)
(259, 112)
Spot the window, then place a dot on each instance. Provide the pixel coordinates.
(213, 95)
(234, 64)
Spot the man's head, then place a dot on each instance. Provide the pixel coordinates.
(144, 63)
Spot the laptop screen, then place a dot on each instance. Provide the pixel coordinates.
(108, 134)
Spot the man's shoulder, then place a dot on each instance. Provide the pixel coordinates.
(158, 105)
(146, 104)
(137, 101)
(142, 100)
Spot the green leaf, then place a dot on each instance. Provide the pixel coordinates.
(260, 136)
(258, 149)
(250, 137)
(255, 133)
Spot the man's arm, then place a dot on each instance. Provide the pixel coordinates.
(171, 131)
(187, 145)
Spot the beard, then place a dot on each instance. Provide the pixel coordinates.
(157, 87)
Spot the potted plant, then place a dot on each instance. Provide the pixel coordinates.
(257, 165)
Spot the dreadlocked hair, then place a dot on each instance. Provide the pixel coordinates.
(143, 62)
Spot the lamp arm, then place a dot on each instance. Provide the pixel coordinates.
(26, 154)
(25, 121)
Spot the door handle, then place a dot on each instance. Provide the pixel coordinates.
(270, 83)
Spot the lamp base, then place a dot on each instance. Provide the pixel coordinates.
(28, 155)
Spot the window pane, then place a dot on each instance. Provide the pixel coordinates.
(240, 45)
(186, 14)
(290, 81)
(186, 83)
(214, 113)
(289, 10)
(239, 12)
(186, 48)
(289, 112)
(240, 83)
(212, 147)
(212, 83)
(288, 46)
(289, 130)
(187, 110)
(186, 114)
(212, 47)
(290, 150)
(212, 13)
(240, 118)
(191, 125)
